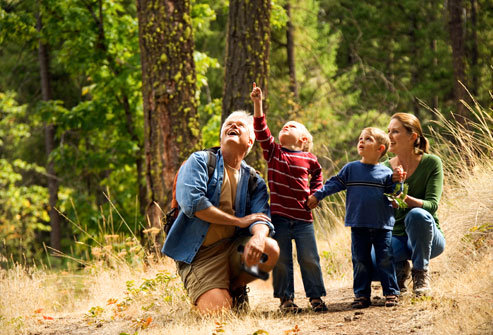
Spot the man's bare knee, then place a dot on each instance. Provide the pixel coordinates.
(214, 301)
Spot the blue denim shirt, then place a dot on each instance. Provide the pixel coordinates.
(195, 192)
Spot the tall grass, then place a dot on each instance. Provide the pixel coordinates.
(464, 273)
(126, 290)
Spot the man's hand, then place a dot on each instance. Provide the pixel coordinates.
(255, 247)
(312, 202)
(213, 214)
(246, 221)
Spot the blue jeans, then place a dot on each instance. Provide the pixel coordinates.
(362, 240)
(423, 241)
(306, 247)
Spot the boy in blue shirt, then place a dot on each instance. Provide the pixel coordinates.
(369, 214)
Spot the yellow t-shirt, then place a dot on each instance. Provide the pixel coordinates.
(227, 199)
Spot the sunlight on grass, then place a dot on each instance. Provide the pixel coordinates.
(126, 290)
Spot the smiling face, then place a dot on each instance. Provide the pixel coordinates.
(401, 139)
(293, 135)
(237, 131)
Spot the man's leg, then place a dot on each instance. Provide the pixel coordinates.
(214, 301)
(242, 278)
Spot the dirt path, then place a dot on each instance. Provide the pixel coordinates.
(341, 319)
(406, 318)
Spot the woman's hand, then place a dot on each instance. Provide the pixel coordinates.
(399, 174)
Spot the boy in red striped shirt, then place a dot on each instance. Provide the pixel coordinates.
(293, 175)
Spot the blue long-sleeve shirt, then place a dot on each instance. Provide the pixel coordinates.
(196, 192)
(366, 204)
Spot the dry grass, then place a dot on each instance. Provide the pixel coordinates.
(101, 299)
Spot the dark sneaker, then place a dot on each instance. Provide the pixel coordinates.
(361, 302)
(403, 270)
(318, 306)
(288, 306)
(240, 303)
(421, 282)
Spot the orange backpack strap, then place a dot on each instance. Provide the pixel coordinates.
(174, 203)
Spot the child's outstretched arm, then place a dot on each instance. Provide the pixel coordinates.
(256, 97)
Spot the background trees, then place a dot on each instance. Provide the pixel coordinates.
(168, 90)
(354, 64)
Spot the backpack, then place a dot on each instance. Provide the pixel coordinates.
(172, 214)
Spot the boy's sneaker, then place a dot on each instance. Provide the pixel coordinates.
(421, 282)
(288, 306)
(240, 303)
(403, 270)
(318, 306)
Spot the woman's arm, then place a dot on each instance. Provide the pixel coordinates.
(433, 188)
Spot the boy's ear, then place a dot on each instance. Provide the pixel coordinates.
(381, 148)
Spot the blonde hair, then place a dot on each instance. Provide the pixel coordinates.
(412, 125)
(380, 136)
(308, 145)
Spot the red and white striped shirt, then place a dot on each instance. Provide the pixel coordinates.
(292, 175)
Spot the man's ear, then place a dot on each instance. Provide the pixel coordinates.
(250, 142)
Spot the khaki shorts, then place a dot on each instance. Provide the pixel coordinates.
(214, 266)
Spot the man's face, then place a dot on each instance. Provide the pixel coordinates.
(236, 132)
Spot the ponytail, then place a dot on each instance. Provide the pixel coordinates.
(421, 145)
(412, 125)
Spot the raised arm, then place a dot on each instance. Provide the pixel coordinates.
(256, 97)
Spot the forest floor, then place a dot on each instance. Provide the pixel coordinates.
(411, 316)
(130, 299)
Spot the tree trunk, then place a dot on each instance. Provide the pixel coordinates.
(475, 73)
(168, 89)
(293, 83)
(44, 70)
(247, 60)
(458, 52)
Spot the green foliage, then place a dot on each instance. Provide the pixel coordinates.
(23, 206)
(356, 63)
(399, 194)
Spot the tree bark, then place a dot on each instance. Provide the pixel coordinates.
(293, 83)
(247, 60)
(474, 49)
(44, 71)
(458, 52)
(168, 89)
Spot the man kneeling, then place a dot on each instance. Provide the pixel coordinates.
(216, 216)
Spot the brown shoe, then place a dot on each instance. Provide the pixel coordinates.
(288, 306)
(403, 270)
(421, 282)
(240, 300)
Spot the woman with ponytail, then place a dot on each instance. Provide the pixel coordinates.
(416, 235)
